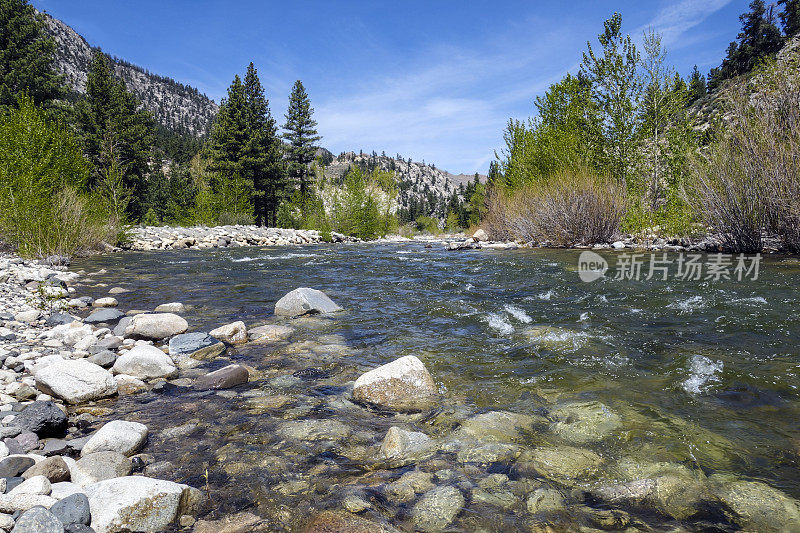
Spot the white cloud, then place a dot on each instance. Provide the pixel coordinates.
(676, 19)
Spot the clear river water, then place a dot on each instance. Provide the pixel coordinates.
(701, 374)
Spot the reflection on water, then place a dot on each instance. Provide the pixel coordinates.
(698, 375)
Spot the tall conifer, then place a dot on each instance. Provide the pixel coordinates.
(26, 56)
(301, 134)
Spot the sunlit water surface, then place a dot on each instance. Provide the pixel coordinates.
(702, 373)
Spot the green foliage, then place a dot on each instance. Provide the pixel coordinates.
(790, 16)
(244, 152)
(428, 225)
(301, 135)
(616, 90)
(115, 131)
(759, 39)
(361, 208)
(26, 57)
(43, 209)
(263, 156)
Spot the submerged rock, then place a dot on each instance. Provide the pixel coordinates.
(672, 489)
(402, 385)
(305, 301)
(312, 430)
(584, 422)
(755, 506)
(145, 362)
(563, 464)
(437, 508)
(75, 381)
(499, 426)
(401, 447)
(270, 333)
(342, 522)
(545, 500)
(156, 326)
(195, 345)
(235, 333)
(224, 378)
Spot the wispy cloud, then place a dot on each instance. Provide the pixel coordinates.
(450, 107)
(674, 20)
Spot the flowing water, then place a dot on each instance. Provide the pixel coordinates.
(702, 374)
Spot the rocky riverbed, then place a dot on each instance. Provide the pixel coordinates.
(271, 426)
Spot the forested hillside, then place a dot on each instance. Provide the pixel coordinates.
(178, 107)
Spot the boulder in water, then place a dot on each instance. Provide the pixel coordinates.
(402, 385)
(145, 362)
(304, 301)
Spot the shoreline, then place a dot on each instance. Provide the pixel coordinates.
(155, 238)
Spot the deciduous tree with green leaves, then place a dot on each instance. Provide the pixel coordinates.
(616, 89)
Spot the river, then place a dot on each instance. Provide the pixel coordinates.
(702, 374)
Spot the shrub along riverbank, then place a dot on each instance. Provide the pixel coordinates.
(626, 145)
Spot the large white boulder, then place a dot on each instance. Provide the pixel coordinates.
(402, 385)
(305, 301)
(134, 503)
(74, 381)
(118, 436)
(145, 362)
(156, 326)
(235, 333)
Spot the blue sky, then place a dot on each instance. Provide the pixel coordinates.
(432, 80)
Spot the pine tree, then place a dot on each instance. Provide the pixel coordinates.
(115, 131)
(262, 158)
(697, 85)
(26, 56)
(758, 39)
(228, 150)
(301, 134)
(616, 89)
(790, 17)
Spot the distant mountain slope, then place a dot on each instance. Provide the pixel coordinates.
(176, 106)
(422, 187)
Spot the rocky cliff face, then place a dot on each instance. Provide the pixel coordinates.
(174, 105)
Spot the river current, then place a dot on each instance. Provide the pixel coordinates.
(697, 373)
